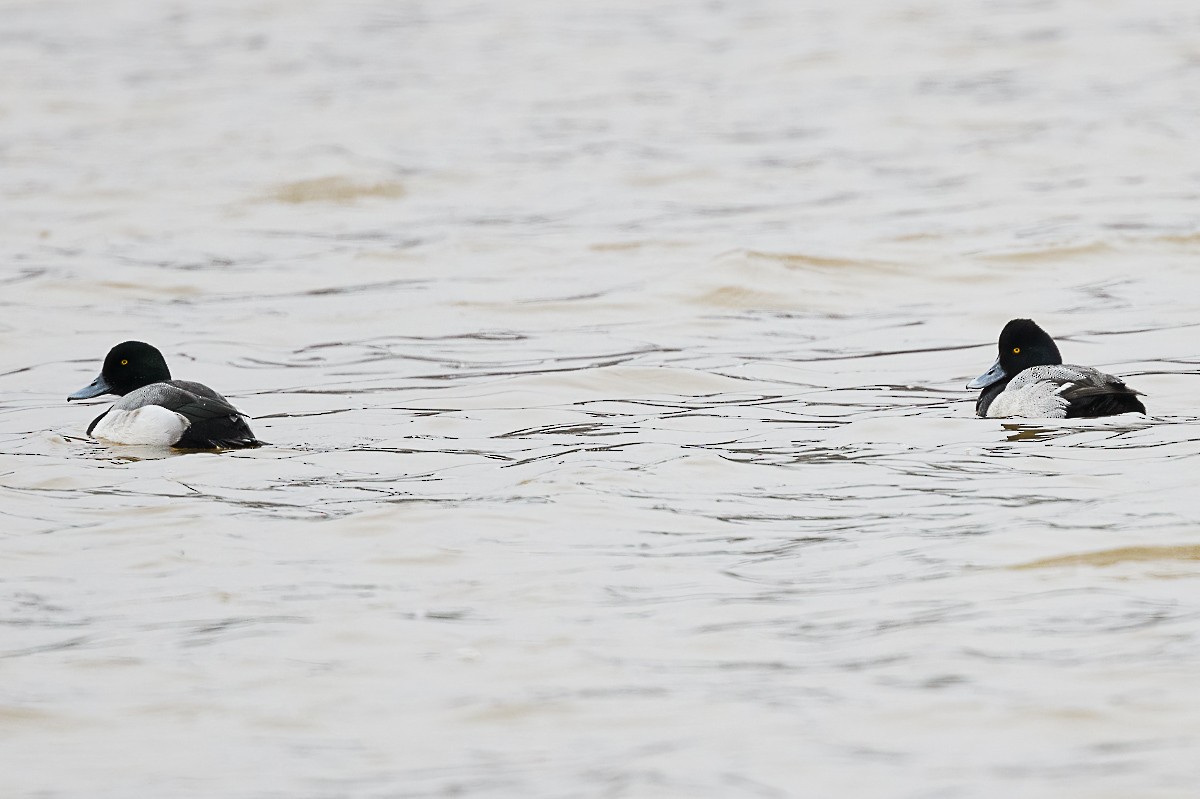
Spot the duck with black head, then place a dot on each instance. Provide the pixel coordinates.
(1030, 380)
(155, 410)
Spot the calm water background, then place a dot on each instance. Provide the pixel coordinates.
(611, 354)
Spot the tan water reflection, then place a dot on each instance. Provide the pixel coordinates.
(1112, 557)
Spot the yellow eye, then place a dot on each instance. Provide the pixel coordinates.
(1016, 351)
(124, 362)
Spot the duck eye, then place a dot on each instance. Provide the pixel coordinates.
(1016, 351)
(124, 361)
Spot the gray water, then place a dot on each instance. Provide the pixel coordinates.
(611, 357)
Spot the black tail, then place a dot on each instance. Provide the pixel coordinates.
(1104, 405)
(220, 432)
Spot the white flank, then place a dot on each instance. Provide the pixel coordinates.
(150, 425)
(1041, 400)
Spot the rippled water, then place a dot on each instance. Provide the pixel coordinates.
(612, 360)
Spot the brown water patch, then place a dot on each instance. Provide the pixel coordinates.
(622, 246)
(13, 713)
(670, 177)
(334, 190)
(1111, 557)
(1048, 253)
(512, 711)
(802, 260)
(1181, 238)
(142, 288)
(737, 297)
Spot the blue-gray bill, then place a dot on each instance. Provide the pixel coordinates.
(993, 375)
(94, 389)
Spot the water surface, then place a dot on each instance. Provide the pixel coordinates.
(612, 360)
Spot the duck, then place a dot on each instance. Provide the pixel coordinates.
(155, 410)
(1029, 379)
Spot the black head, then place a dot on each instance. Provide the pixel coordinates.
(129, 366)
(1023, 344)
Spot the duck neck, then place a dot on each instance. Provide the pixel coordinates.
(989, 394)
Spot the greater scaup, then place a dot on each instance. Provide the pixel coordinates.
(156, 410)
(1029, 379)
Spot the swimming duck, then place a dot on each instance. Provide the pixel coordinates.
(1029, 379)
(156, 410)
